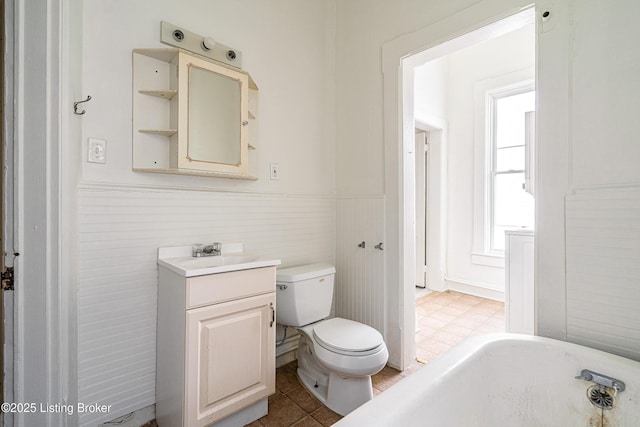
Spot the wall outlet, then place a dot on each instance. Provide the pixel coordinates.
(97, 151)
(274, 171)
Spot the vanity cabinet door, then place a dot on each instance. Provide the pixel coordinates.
(230, 357)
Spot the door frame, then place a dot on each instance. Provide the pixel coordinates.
(486, 19)
(35, 113)
(422, 200)
(437, 200)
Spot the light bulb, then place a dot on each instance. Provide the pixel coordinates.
(208, 43)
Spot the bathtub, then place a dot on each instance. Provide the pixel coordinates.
(507, 380)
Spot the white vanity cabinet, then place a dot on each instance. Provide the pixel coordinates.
(215, 347)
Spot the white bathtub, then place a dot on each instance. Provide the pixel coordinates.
(506, 380)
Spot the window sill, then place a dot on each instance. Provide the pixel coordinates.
(488, 259)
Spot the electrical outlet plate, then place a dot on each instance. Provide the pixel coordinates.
(97, 151)
(274, 171)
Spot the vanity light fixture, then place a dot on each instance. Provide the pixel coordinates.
(206, 46)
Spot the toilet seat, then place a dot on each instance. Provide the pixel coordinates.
(347, 337)
(338, 345)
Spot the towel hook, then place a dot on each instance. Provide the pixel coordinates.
(75, 106)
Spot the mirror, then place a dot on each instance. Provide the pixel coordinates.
(212, 129)
(214, 117)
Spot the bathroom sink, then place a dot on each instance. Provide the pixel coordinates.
(213, 261)
(179, 260)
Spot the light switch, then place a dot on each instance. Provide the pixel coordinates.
(274, 171)
(97, 151)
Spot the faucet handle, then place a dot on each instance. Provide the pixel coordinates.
(196, 249)
(212, 248)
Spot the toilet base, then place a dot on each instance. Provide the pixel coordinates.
(340, 394)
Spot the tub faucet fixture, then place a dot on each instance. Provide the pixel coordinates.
(212, 249)
(603, 380)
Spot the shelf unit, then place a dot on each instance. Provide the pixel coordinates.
(159, 125)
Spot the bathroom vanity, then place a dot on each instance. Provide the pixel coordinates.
(216, 338)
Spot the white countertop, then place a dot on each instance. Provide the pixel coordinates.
(179, 260)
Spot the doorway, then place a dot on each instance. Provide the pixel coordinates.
(430, 202)
(467, 88)
(412, 51)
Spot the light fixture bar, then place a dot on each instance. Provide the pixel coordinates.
(206, 46)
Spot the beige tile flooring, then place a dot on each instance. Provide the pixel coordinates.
(444, 320)
(447, 318)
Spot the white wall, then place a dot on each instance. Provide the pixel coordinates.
(591, 152)
(362, 27)
(124, 216)
(287, 47)
(431, 88)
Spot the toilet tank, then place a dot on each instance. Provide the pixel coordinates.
(304, 294)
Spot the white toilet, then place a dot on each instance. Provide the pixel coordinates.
(336, 357)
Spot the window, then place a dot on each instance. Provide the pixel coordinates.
(503, 159)
(510, 194)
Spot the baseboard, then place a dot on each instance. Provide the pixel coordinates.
(474, 289)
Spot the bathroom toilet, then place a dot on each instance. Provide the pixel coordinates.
(336, 356)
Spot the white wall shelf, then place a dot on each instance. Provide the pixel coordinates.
(165, 94)
(162, 132)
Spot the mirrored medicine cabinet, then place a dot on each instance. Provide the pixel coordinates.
(191, 115)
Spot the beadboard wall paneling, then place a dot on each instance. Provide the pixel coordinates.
(120, 231)
(359, 293)
(603, 270)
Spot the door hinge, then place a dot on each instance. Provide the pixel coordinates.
(7, 279)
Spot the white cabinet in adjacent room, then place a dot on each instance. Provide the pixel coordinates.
(519, 297)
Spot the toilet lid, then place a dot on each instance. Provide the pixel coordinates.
(341, 335)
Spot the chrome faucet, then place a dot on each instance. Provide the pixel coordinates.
(212, 249)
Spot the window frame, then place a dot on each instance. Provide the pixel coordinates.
(512, 83)
(493, 96)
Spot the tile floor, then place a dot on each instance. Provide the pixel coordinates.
(444, 320)
(447, 318)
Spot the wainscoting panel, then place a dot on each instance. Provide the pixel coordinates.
(120, 230)
(603, 270)
(359, 293)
